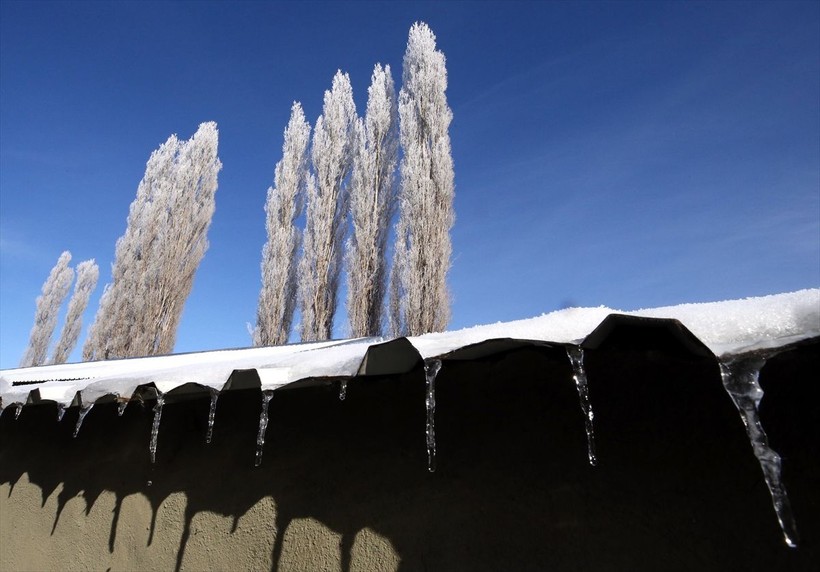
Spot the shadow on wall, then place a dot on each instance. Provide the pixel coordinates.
(676, 487)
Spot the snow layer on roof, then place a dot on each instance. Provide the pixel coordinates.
(730, 327)
(724, 327)
(564, 326)
(93, 380)
(738, 326)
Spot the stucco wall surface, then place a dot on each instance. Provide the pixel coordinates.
(83, 541)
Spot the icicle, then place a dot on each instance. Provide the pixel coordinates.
(342, 389)
(740, 378)
(152, 447)
(211, 415)
(431, 369)
(579, 374)
(18, 411)
(267, 394)
(84, 409)
(121, 407)
(60, 412)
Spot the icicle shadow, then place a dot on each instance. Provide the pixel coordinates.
(740, 377)
(346, 551)
(62, 500)
(267, 394)
(282, 521)
(115, 520)
(152, 527)
(579, 375)
(431, 369)
(186, 535)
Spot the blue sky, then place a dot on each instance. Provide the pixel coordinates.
(606, 153)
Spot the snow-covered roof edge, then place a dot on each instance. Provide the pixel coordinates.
(730, 327)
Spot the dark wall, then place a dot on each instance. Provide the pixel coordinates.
(676, 487)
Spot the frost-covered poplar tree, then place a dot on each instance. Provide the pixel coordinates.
(420, 300)
(116, 329)
(87, 275)
(372, 205)
(277, 299)
(54, 291)
(156, 258)
(327, 205)
(185, 224)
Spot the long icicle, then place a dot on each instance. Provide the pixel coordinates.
(212, 414)
(267, 394)
(60, 412)
(579, 374)
(152, 447)
(740, 377)
(431, 369)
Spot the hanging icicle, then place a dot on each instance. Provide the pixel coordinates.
(60, 412)
(212, 414)
(740, 377)
(121, 405)
(152, 447)
(431, 369)
(579, 374)
(342, 389)
(18, 411)
(84, 409)
(267, 394)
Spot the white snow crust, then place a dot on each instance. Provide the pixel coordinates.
(730, 327)
(724, 327)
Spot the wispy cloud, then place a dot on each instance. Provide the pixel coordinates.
(16, 249)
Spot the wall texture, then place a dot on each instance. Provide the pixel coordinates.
(343, 484)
